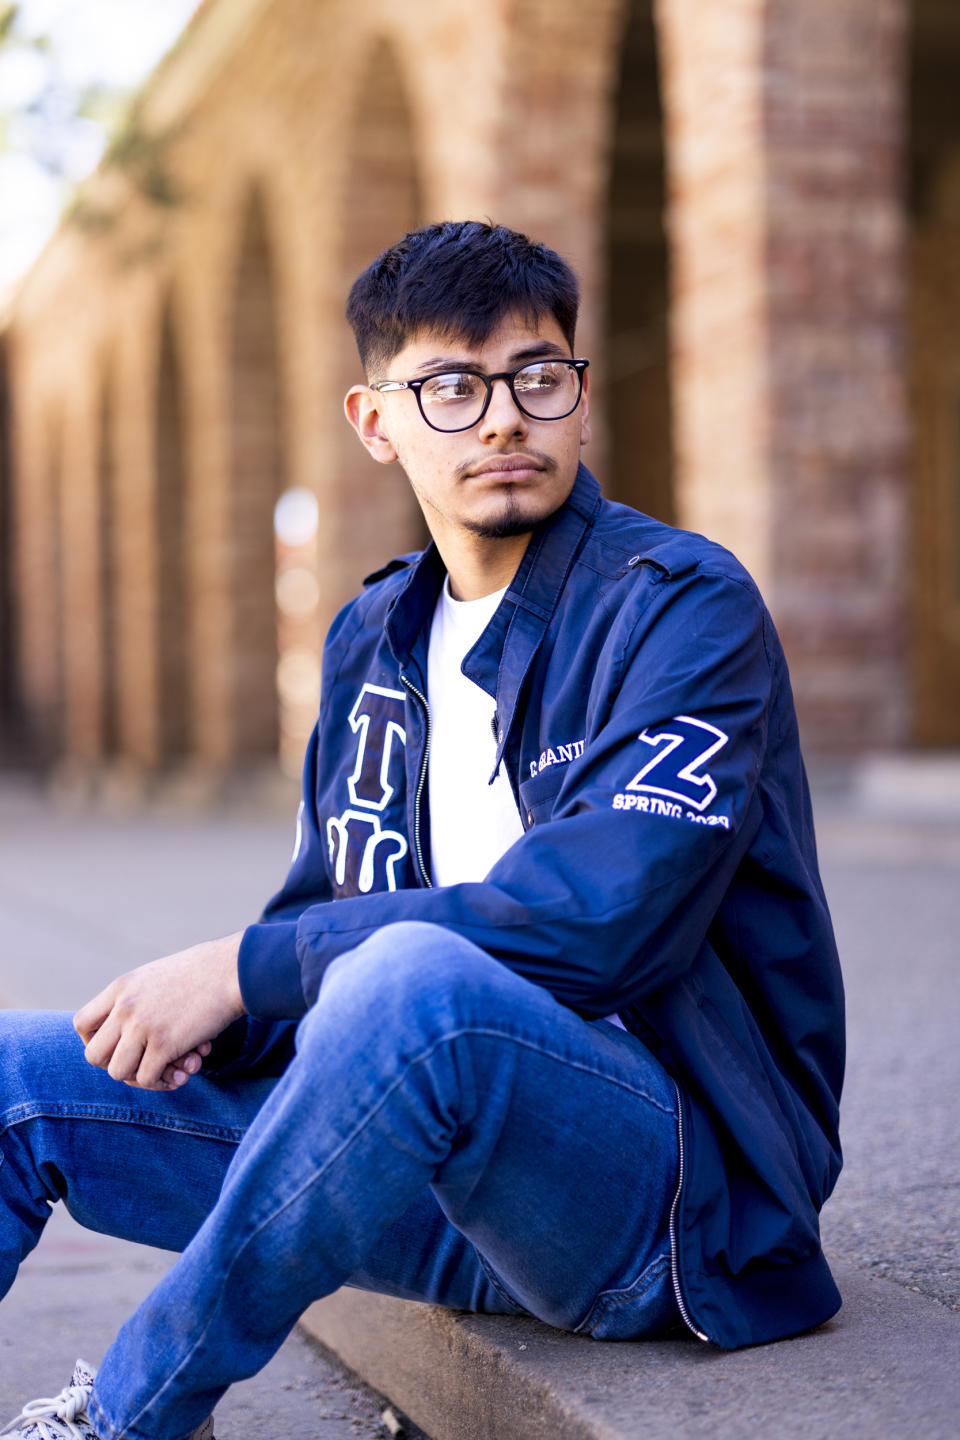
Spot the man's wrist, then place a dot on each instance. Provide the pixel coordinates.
(226, 959)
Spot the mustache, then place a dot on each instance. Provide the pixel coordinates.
(546, 463)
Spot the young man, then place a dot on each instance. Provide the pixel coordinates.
(570, 1027)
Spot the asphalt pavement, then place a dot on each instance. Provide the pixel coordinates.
(86, 893)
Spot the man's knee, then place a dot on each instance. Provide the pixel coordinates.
(409, 966)
(38, 1048)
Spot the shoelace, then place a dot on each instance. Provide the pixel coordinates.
(53, 1418)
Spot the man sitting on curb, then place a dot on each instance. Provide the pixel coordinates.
(547, 1018)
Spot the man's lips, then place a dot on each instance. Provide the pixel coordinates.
(506, 464)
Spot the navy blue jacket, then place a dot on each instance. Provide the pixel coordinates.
(667, 871)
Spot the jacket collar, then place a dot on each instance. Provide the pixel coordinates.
(499, 661)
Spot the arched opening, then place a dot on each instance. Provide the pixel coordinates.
(173, 587)
(256, 480)
(934, 197)
(378, 516)
(637, 296)
(107, 548)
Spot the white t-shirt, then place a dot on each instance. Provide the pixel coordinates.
(472, 822)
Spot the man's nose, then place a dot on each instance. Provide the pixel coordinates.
(503, 417)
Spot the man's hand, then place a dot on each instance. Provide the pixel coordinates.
(152, 1026)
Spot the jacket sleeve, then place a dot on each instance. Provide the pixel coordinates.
(268, 946)
(613, 894)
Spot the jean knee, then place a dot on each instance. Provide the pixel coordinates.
(407, 967)
(37, 1050)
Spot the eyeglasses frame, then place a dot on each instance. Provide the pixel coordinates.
(508, 376)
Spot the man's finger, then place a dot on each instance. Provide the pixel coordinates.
(102, 1043)
(127, 1057)
(178, 1072)
(153, 1065)
(91, 1016)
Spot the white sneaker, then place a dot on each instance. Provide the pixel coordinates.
(64, 1417)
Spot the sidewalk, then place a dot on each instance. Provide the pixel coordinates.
(83, 896)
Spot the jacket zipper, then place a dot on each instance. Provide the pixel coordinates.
(674, 1262)
(421, 781)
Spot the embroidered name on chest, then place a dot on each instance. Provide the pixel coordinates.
(562, 755)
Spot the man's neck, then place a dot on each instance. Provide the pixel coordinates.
(479, 568)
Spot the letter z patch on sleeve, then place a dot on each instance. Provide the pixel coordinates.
(676, 772)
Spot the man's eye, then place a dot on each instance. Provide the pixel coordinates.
(451, 387)
(539, 377)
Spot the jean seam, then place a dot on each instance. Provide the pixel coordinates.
(95, 1413)
(607, 1299)
(497, 1284)
(369, 1115)
(50, 1110)
(549, 1054)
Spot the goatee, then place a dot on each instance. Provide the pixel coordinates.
(510, 521)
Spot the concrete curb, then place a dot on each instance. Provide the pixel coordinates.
(887, 1366)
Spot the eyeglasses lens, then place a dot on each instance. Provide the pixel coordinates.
(454, 401)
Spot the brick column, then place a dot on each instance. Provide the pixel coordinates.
(785, 128)
(836, 315)
(81, 589)
(203, 297)
(712, 103)
(137, 578)
(35, 530)
(8, 694)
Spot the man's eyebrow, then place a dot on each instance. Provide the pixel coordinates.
(540, 350)
(443, 362)
(537, 350)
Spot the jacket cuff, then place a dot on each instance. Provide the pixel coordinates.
(269, 971)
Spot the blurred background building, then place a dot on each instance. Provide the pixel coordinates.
(762, 198)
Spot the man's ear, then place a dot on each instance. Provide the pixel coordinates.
(362, 408)
(585, 409)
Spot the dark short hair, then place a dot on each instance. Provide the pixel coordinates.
(460, 279)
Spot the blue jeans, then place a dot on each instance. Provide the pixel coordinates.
(446, 1132)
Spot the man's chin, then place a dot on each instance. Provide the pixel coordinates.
(509, 520)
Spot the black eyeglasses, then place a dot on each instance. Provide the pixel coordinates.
(452, 400)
